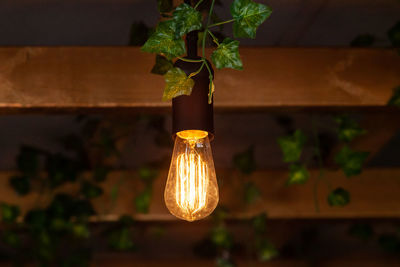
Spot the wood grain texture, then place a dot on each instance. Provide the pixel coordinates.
(63, 78)
(374, 194)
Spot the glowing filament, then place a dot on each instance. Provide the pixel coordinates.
(191, 186)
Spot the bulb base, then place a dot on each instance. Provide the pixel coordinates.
(193, 112)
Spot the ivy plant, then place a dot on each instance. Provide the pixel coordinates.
(339, 197)
(350, 161)
(265, 249)
(167, 40)
(348, 129)
(292, 148)
(41, 234)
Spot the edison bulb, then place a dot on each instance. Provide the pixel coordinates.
(191, 192)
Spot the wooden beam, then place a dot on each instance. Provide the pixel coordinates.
(70, 78)
(374, 194)
(275, 263)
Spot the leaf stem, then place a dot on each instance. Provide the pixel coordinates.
(215, 39)
(221, 23)
(198, 71)
(198, 3)
(210, 86)
(191, 60)
(206, 29)
(209, 70)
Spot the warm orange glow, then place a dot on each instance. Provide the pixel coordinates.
(192, 134)
(191, 192)
(191, 186)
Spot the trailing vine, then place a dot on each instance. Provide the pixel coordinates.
(60, 217)
(350, 161)
(167, 41)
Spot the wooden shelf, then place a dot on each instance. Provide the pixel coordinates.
(39, 79)
(374, 194)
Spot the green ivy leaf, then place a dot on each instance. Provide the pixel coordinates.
(9, 213)
(394, 35)
(177, 84)
(21, 185)
(292, 146)
(266, 250)
(351, 161)
(121, 240)
(245, 161)
(80, 230)
(227, 55)
(90, 190)
(187, 19)
(298, 174)
(142, 201)
(165, 6)
(361, 231)
(164, 42)
(162, 66)
(248, 16)
(221, 237)
(339, 197)
(395, 99)
(363, 40)
(251, 193)
(348, 128)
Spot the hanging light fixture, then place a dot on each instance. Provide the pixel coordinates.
(191, 192)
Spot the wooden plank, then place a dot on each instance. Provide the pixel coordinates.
(328, 242)
(374, 194)
(65, 78)
(274, 263)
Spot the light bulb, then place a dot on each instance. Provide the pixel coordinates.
(191, 192)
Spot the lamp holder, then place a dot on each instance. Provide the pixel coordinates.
(193, 112)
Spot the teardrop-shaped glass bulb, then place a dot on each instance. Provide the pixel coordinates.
(191, 192)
